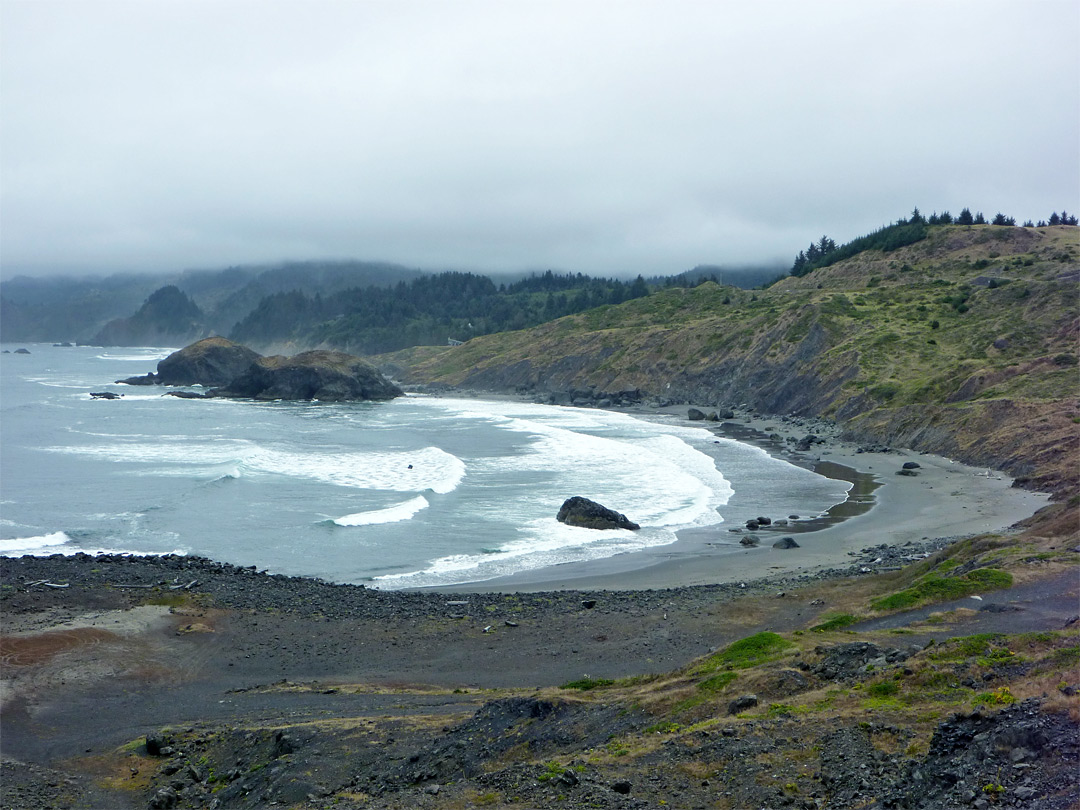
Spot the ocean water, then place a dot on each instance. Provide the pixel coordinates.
(414, 492)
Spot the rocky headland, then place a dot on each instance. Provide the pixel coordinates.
(228, 369)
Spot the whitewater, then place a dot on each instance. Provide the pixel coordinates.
(415, 492)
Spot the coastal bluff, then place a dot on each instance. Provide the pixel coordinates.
(231, 370)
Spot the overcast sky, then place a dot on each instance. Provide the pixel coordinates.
(604, 137)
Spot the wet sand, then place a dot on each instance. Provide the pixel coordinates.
(942, 499)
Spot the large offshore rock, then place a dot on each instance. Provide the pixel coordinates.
(323, 375)
(578, 511)
(211, 361)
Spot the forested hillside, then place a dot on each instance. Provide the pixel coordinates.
(963, 343)
(79, 308)
(361, 307)
(429, 310)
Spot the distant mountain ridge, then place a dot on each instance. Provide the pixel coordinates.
(79, 309)
(360, 307)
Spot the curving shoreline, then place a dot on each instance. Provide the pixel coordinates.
(224, 658)
(943, 499)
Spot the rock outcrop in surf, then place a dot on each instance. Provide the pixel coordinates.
(323, 375)
(578, 511)
(212, 361)
(232, 370)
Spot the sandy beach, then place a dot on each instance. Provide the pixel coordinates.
(943, 498)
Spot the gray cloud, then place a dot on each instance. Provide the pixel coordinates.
(597, 136)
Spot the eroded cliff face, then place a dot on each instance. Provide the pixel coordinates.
(965, 346)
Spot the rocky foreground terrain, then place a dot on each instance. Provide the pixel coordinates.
(180, 682)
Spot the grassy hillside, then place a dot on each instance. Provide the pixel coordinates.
(964, 343)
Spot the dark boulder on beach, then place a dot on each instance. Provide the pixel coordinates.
(785, 542)
(323, 375)
(212, 361)
(582, 512)
(749, 540)
(695, 415)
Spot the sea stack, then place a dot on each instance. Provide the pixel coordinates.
(323, 375)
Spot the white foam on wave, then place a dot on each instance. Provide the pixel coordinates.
(652, 472)
(53, 382)
(155, 354)
(391, 514)
(543, 543)
(397, 471)
(128, 397)
(43, 544)
(60, 543)
(229, 471)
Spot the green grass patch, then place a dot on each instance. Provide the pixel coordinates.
(835, 622)
(552, 770)
(786, 710)
(585, 684)
(999, 697)
(745, 653)
(934, 588)
(981, 645)
(883, 689)
(1065, 657)
(717, 683)
(884, 391)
